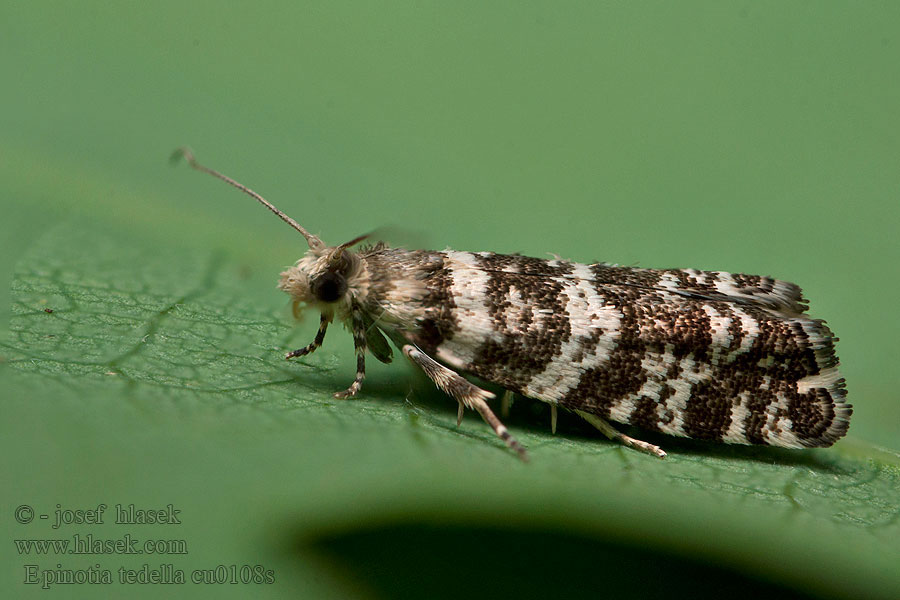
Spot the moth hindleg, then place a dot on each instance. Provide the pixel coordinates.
(359, 343)
(464, 392)
(324, 320)
(615, 435)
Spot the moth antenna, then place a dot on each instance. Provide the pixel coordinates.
(353, 242)
(184, 152)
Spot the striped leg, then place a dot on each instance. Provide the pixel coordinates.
(320, 337)
(359, 343)
(465, 393)
(617, 436)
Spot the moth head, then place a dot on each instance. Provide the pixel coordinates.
(323, 276)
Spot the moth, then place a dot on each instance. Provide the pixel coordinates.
(707, 355)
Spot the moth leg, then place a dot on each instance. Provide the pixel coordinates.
(359, 343)
(464, 392)
(324, 320)
(506, 400)
(617, 436)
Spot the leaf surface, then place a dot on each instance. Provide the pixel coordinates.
(180, 372)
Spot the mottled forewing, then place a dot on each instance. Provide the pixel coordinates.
(707, 355)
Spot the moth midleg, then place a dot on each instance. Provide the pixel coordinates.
(359, 343)
(617, 436)
(324, 320)
(464, 392)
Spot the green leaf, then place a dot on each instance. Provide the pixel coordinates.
(158, 373)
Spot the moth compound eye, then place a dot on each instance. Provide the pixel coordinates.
(329, 286)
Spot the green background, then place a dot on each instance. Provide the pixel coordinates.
(757, 137)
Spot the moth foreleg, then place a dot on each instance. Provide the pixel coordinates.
(324, 320)
(359, 343)
(617, 436)
(464, 392)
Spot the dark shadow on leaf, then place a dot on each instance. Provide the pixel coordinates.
(416, 560)
(811, 458)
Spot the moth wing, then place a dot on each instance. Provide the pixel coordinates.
(720, 286)
(693, 353)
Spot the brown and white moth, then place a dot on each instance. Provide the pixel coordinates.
(707, 355)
